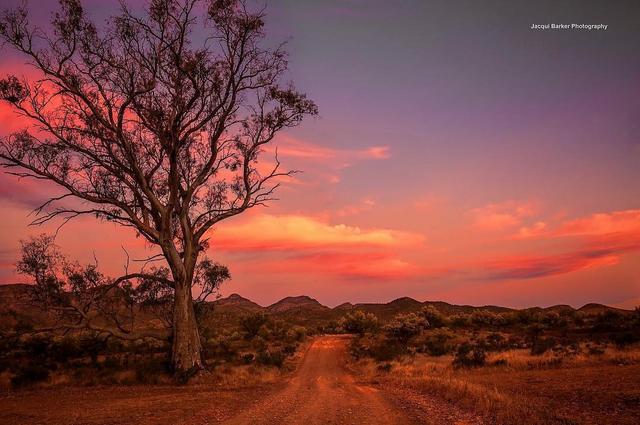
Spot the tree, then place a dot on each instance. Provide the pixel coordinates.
(359, 322)
(156, 122)
(403, 327)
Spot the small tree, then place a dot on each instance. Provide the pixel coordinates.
(359, 322)
(81, 297)
(157, 123)
(433, 317)
(403, 327)
(252, 323)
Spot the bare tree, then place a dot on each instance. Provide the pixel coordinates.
(155, 122)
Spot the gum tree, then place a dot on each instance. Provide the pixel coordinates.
(155, 121)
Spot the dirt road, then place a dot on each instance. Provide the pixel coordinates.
(323, 392)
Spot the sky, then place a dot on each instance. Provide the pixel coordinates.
(458, 155)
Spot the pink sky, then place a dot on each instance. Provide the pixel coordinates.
(477, 177)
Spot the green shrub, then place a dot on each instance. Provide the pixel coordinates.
(404, 327)
(252, 323)
(359, 322)
(434, 319)
(386, 350)
(470, 355)
(271, 358)
(438, 343)
(542, 345)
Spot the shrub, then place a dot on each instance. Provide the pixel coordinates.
(404, 327)
(252, 323)
(37, 346)
(595, 350)
(470, 355)
(433, 317)
(496, 342)
(359, 322)
(268, 358)
(29, 374)
(384, 350)
(297, 333)
(484, 318)
(460, 320)
(149, 371)
(622, 339)
(542, 345)
(438, 343)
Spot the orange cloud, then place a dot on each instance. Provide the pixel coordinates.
(355, 209)
(625, 221)
(273, 232)
(372, 265)
(288, 146)
(303, 245)
(542, 266)
(499, 216)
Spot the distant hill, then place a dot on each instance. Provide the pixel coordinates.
(235, 302)
(594, 308)
(300, 302)
(301, 310)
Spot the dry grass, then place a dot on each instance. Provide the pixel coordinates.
(547, 389)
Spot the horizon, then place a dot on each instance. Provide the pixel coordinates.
(458, 156)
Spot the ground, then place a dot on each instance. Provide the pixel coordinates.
(327, 386)
(321, 391)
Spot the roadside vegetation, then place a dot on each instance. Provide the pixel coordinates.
(255, 348)
(527, 366)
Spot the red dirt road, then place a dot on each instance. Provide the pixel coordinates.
(323, 392)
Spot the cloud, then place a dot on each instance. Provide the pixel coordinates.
(286, 232)
(604, 250)
(543, 266)
(503, 215)
(375, 152)
(613, 222)
(356, 208)
(371, 265)
(625, 221)
(303, 245)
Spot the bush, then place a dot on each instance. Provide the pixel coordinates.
(470, 355)
(268, 358)
(433, 317)
(149, 371)
(542, 345)
(252, 323)
(247, 358)
(460, 320)
(404, 327)
(384, 351)
(438, 343)
(359, 322)
(297, 333)
(29, 374)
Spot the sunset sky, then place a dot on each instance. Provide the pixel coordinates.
(458, 156)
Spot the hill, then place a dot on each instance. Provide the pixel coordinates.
(236, 303)
(296, 303)
(301, 310)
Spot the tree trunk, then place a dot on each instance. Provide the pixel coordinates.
(186, 352)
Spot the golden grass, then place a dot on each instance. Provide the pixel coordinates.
(547, 389)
